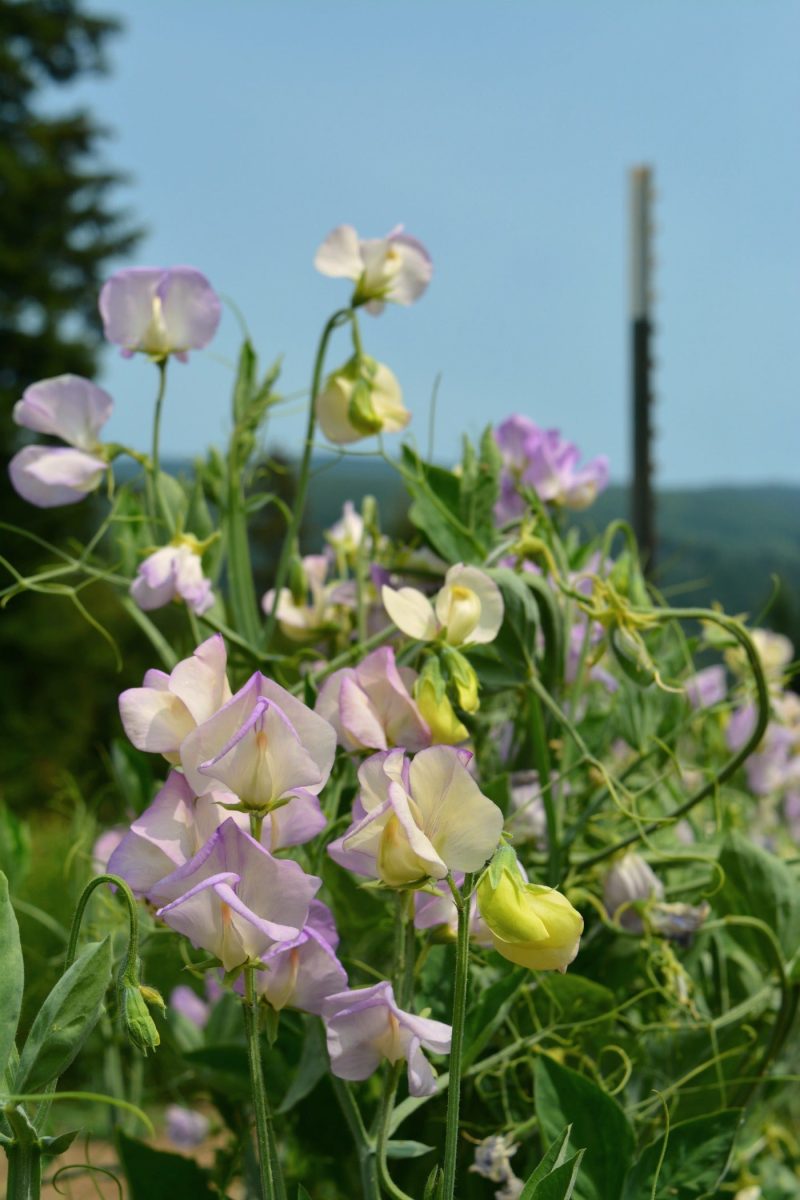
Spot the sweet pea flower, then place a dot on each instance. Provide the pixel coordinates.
(531, 925)
(174, 572)
(158, 716)
(304, 972)
(365, 1026)
(544, 461)
(74, 410)
(370, 706)
(630, 884)
(706, 687)
(159, 311)
(435, 908)
(346, 534)
(234, 899)
(418, 819)
(360, 399)
(311, 617)
(264, 745)
(492, 1161)
(468, 610)
(190, 1006)
(178, 824)
(104, 847)
(396, 268)
(186, 1128)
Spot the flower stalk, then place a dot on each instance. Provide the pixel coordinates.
(462, 900)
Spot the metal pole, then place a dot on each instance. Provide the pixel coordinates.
(642, 494)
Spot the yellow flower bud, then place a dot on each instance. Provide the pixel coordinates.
(531, 925)
(436, 709)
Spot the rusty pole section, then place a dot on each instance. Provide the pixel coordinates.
(641, 324)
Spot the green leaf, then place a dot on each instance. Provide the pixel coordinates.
(15, 846)
(479, 486)
(554, 1157)
(696, 1159)
(560, 1184)
(66, 1019)
(435, 511)
(599, 1125)
(245, 381)
(11, 975)
(433, 1187)
(516, 641)
(399, 1149)
(302, 1194)
(312, 1066)
(491, 1010)
(174, 498)
(759, 885)
(159, 1175)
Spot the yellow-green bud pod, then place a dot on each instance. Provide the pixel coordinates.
(463, 677)
(139, 1025)
(530, 924)
(437, 711)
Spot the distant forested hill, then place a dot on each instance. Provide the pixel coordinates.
(715, 544)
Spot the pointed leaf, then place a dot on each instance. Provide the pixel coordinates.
(159, 1175)
(554, 1157)
(598, 1124)
(66, 1019)
(11, 975)
(560, 1184)
(312, 1066)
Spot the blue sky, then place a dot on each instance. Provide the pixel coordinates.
(501, 134)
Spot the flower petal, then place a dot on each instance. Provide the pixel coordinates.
(49, 476)
(66, 406)
(463, 825)
(339, 256)
(410, 611)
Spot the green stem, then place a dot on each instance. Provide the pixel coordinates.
(384, 1122)
(261, 1110)
(298, 508)
(237, 545)
(367, 1162)
(462, 900)
(541, 756)
(24, 1171)
(130, 969)
(156, 503)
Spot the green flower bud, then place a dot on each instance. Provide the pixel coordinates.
(430, 694)
(530, 924)
(463, 677)
(139, 1025)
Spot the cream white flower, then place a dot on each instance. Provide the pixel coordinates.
(468, 610)
(396, 267)
(362, 398)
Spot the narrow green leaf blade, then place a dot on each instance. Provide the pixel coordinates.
(12, 975)
(697, 1156)
(599, 1125)
(66, 1019)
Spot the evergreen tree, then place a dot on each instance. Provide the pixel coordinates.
(60, 226)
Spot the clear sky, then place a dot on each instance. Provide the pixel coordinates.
(501, 134)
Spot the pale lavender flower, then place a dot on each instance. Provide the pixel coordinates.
(191, 1006)
(628, 885)
(706, 687)
(104, 847)
(173, 572)
(492, 1158)
(74, 410)
(178, 824)
(371, 707)
(396, 268)
(315, 613)
(234, 899)
(159, 311)
(542, 460)
(774, 765)
(304, 972)
(435, 908)
(365, 1026)
(264, 745)
(419, 819)
(161, 714)
(186, 1128)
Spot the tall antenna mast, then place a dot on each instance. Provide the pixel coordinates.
(641, 296)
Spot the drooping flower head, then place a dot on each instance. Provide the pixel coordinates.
(159, 311)
(530, 924)
(365, 1026)
(630, 884)
(173, 572)
(74, 410)
(234, 899)
(418, 819)
(397, 267)
(370, 706)
(467, 610)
